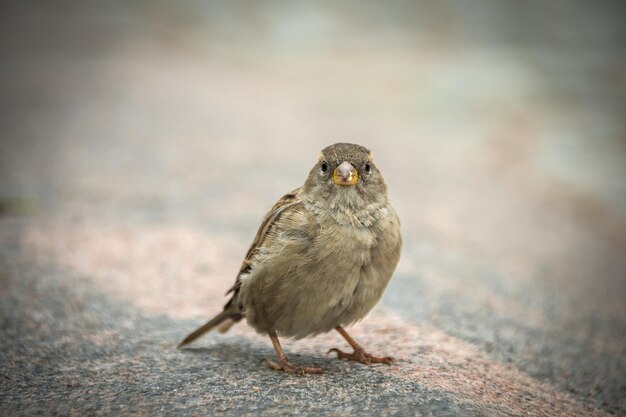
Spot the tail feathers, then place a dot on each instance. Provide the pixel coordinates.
(226, 325)
(226, 319)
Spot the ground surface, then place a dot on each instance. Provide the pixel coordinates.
(141, 145)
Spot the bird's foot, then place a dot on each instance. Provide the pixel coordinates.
(362, 356)
(290, 368)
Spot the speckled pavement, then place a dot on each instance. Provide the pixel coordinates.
(141, 144)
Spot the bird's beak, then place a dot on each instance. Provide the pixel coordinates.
(345, 174)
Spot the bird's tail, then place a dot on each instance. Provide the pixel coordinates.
(224, 320)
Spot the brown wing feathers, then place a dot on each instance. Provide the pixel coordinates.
(231, 313)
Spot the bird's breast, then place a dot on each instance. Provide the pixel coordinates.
(349, 247)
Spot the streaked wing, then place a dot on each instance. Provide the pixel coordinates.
(286, 201)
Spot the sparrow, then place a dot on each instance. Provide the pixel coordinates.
(320, 260)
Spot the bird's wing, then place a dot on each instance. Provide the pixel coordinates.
(232, 312)
(284, 203)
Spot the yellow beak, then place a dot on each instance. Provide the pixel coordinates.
(345, 174)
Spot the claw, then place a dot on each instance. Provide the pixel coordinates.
(333, 350)
(284, 364)
(290, 368)
(362, 357)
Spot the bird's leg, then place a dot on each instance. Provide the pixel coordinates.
(359, 354)
(284, 364)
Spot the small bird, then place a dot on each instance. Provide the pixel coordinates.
(320, 260)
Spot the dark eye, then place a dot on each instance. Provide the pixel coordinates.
(368, 168)
(324, 166)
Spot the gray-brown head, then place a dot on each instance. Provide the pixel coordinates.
(345, 175)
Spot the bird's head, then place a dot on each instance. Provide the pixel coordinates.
(345, 175)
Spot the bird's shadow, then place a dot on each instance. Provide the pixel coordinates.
(251, 356)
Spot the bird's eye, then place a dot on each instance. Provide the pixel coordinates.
(324, 166)
(368, 167)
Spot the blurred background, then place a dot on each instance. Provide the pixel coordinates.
(142, 142)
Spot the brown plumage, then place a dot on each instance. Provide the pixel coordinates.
(321, 258)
